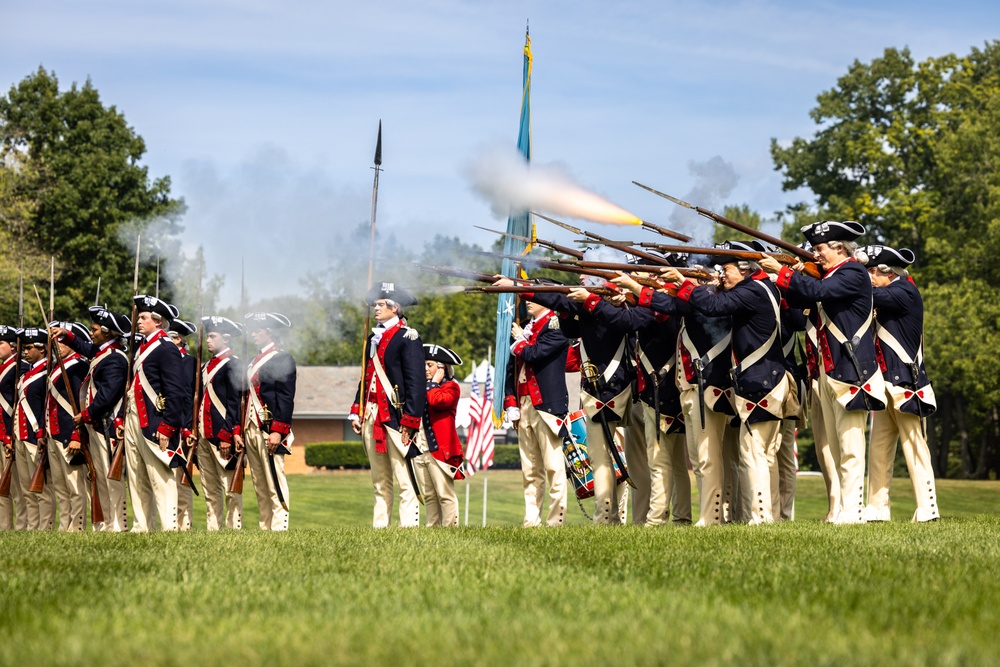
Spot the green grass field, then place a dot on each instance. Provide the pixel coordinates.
(332, 591)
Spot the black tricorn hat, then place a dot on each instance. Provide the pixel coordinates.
(832, 230)
(8, 334)
(875, 255)
(183, 328)
(121, 324)
(389, 291)
(30, 335)
(259, 320)
(75, 328)
(145, 303)
(759, 246)
(441, 354)
(222, 325)
(739, 246)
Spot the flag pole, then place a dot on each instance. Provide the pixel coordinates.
(467, 500)
(489, 425)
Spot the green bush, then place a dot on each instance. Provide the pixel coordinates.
(338, 455)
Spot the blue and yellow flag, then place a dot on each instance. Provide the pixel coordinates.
(519, 224)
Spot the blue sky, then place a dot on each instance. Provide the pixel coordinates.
(264, 114)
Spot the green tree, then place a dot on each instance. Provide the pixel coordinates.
(911, 151)
(72, 187)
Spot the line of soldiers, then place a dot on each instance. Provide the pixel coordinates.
(709, 368)
(104, 404)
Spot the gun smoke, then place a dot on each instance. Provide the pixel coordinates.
(512, 185)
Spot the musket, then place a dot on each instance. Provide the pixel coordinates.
(96, 511)
(362, 389)
(195, 409)
(236, 486)
(579, 268)
(117, 465)
(811, 268)
(97, 295)
(37, 484)
(548, 289)
(663, 231)
(5, 478)
(457, 273)
(618, 245)
(732, 224)
(697, 274)
(573, 252)
(591, 375)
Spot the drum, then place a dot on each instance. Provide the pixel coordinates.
(577, 460)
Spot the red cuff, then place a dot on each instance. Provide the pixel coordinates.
(518, 348)
(281, 427)
(410, 421)
(509, 401)
(784, 304)
(528, 296)
(660, 317)
(69, 336)
(237, 430)
(784, 277)
(85, 416)
(646, 296)
(166, 429)
(119, 423)
(225, 436)
(75, 437)
(40, 433)
(355, 409)
(186, 433)
(591, 302)
(684, 291)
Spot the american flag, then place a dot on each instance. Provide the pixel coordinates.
(479, 442)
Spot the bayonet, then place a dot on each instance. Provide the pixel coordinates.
(542, 242)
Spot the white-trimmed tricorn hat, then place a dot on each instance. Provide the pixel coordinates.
(146, 303)
(876, 255)
(441, 354)
(260, 320)
(183, 328)
(75, 328)
(832, 230)
(222, 325)
(121, 324)
(389, 291)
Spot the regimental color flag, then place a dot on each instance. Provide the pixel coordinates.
(519, 224)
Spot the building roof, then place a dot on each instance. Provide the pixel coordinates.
(327, 392)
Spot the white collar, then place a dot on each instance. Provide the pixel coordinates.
(388, 324)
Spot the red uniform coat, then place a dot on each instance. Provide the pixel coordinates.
(442, 406)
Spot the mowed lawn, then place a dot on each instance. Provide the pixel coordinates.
(333, 591)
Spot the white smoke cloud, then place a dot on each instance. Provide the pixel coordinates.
(512, 185)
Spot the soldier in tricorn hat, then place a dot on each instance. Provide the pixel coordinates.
(267, 431)
(154, 416)
(387, 413)
(899, 333)
(100, 402)
(850, 383)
